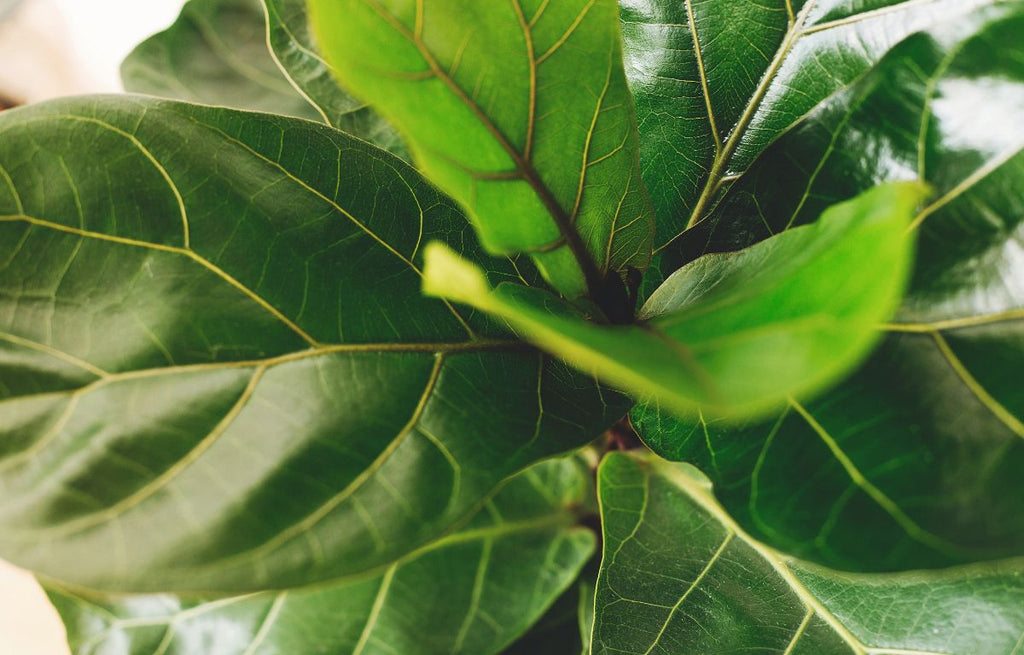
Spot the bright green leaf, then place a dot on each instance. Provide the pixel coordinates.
(218, 371)
(916, 460)
(679, 576)
(717, 81)
(730, 334)
(215, 53)
(519, 110)
(472, 592)
(294, 46)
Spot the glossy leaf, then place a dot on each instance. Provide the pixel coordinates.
(916, 460)
(731, 335)
(218, 372)
(717, 81)
(520, 111)
(294, 46)
(705, 586)
(472, 592)
(215, 53)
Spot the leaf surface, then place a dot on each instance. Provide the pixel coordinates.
(518, 109)
(705, 586)
(730, 335)
(717, 81)
(915, 460)
(472, 592)
(294, 46)
(215, 53)
(217, 371)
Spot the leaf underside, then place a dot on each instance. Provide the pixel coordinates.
(497, 110)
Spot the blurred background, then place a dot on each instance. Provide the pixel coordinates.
(51, 48)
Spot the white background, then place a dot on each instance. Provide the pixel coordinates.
(104, 31)
(50, 48)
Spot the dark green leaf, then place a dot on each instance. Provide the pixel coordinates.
(716, 81)
(472, 592)
(217, 372)
(519, 110)
(215, 53)
(916, 460)
(733, 335)
(679, 576)
(295, 48)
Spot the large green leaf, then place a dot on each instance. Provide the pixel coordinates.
(916, 460)
(215, 53)
(519, 110)
(218, 372)
(294, 46)
(731, 335)
(716, 81)
(472, 592)
(679, 576)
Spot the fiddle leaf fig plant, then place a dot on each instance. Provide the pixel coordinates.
(525, 326)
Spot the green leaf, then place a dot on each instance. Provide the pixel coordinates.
(294, 46)
(717, 81)
(734, 334)
(705, 586)
(215, 53)
(472, 592)
(520, 111)
(566, 628)
(916, 460)
(218, 372)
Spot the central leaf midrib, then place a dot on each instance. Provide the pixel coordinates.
(523, 165)
(725, 153)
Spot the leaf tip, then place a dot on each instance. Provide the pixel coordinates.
(446, 274)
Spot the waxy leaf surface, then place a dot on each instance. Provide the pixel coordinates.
(705, 586)
(916, 460)
(730, 335)
(294, 46)
(717, 81)
(518, 109)
(217, 370)
(472, 592)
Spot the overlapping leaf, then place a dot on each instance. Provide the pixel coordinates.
(716, 81)
(217, 370)
(731, 335)
(499, 108)
(916, 460)
(705, 586)
(295, 48)
(215, 53)
(472, 592)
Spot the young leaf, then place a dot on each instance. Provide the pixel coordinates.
(294, 46)
(215, 53)
(915, 461)
(717, 82)
(731, 334)
(472, 592)
(679, 576)
(519, 109)
(219, 374)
